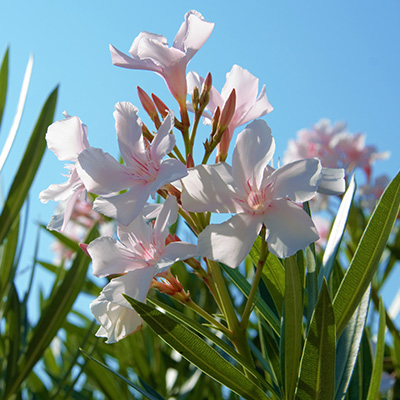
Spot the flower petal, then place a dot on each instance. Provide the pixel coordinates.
(193, 33)
(101, 173)
(332, 181)
(170, 170)
(289, 228)
(175, 251)
(163, 141)
(123, 207)
(129, 132)
(254, 149)
(137, 232)
(166, 217)
(111, 257)
(112, 310)
(231, 241)
(209, 188)
(67, 138)
(297, 181)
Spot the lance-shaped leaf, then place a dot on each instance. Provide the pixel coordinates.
(273, 274)
(366, 258)
(377, 369)
(28, 166)
(292, 329)
(3, 83)
(261, 306)
(145, 393)
(337, 231)
(197, 351)
(54, 315)
(348, 347)
(317, 368)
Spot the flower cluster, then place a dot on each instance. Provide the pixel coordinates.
(263, 199)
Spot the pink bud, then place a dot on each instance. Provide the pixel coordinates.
(228, 111)
(161, 107)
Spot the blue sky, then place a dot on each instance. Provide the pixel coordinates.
(338, 60)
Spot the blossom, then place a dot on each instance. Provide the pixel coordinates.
(140, 253)
(249, 104)
(335, 147)
(66, 139)
(144, 171)
(150, 51)
(258, 194)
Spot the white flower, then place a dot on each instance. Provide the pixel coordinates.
(144, 173)
(140, 254)
(258, 194)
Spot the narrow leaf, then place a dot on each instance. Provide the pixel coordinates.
(18, 115)
(317, 369)
(366, 258)
(261, 306)
(128, 382)
(273, 274)
(377, 369)
(198, 352)
(337, 232)
(199, 328)
(52, 318)
(28, 167)
(3, 83)
(292, 327)
(348, 347)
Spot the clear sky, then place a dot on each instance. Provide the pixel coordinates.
(338, 60)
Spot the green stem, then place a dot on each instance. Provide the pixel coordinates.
(260, 265)
(191, 304)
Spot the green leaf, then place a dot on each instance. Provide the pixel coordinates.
(261, 306)
(377, 369)
(337, 232)
(28, 166)
(348, 347)
(3, 83)
(65, 240)
(198, 352)
(273, 274)
(54, 315)
(292, 327)
(366, 258)
(317, 368)
(199, 328)
(9, 249)
(128, 382)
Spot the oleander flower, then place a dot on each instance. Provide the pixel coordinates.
(142, 252)
(66, 139)
(335, 147)
(249, 104)
(151, 52)
(144, 171)
(258, 194)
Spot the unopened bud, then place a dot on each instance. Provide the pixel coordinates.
(228, 111)
(84, 247)
(161, 107)
(195, 98)
(205, 92)
(215, 121)
(147, 103)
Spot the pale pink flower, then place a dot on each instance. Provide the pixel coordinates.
(259, 194)
(66, 139)
(151, 52)
(323, 226)
(144, 171)
(141, 253)
(335, 147)
(249, 103)
(372, 191)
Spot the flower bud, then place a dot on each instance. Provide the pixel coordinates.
(189, 161)
(195, 98)
(147, 104)
(161, 107)
(227, 111)
(205, 91)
